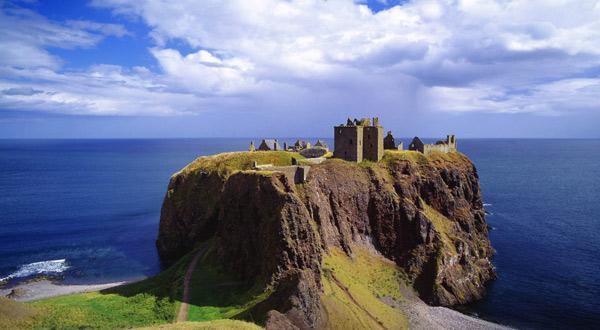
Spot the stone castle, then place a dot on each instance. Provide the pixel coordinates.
(358, 140)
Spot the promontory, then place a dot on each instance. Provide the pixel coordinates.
(289, 242)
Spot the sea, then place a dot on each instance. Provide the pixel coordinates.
(87, 211)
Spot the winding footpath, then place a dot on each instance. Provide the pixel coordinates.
(182, 314)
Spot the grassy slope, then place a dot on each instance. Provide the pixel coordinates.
(208, 325)
(216, 295)
(151, 302)
(352, 288)
(15, 315)
(442, 225)
(147, 302)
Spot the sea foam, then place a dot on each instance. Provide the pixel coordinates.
(36, 268)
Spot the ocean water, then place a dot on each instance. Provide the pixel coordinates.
(88, 210)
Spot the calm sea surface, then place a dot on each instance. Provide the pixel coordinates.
(88, 211)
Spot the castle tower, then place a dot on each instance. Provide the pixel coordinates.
(252, 147)
(358, 140)
(373, 141)
(348, 141)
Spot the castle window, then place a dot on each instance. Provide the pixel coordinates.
(350, 141)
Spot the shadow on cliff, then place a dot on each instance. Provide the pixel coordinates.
(214, 294)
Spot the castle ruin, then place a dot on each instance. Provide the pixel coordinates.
(389, 143)
(445, 146)
(359, 140)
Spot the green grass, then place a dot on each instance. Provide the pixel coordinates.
(14, 315)
(208, 325)
(228, 163)
(148, 302)
(367, 278)
(151, 302)
(390, 156)
(443, 226)
(218, 295)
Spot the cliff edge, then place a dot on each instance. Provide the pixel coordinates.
(350, 245)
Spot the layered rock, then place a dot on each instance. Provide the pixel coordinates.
(423, 212)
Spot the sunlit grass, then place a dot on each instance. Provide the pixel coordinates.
(368, 278)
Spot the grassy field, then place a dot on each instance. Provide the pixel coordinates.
(413, 156)
(227, 163)
(353, 286)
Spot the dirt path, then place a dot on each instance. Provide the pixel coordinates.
(347, 291)
(182, 314)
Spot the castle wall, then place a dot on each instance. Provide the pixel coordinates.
(436, 147)
(373, 143)
(348, 143)
(294, 173)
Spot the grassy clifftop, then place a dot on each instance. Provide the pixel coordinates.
(227, 163)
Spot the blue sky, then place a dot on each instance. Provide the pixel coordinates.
(135, 68)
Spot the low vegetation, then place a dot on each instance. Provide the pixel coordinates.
(443, 226)
(413, 156)
(149, 303)
(15, 315)
(227, 163)
(207, 325)
(218, 295)
(354, 287)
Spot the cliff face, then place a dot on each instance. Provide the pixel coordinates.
(423, 213)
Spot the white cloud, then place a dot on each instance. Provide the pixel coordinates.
(26, 35)
(101, 90)
(321, 57)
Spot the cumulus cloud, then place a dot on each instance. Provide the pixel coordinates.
(457, 51)
(321, 57)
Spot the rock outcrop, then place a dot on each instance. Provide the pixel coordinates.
(425, 213)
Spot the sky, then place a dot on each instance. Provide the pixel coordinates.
(243, 68)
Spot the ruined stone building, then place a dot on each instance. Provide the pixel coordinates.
(389, 143)
(321, 144)
(301, 144)
(269, 145)
(359, 140)
(319, 147)
(445, 146)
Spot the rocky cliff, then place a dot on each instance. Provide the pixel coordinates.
(422, 213)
